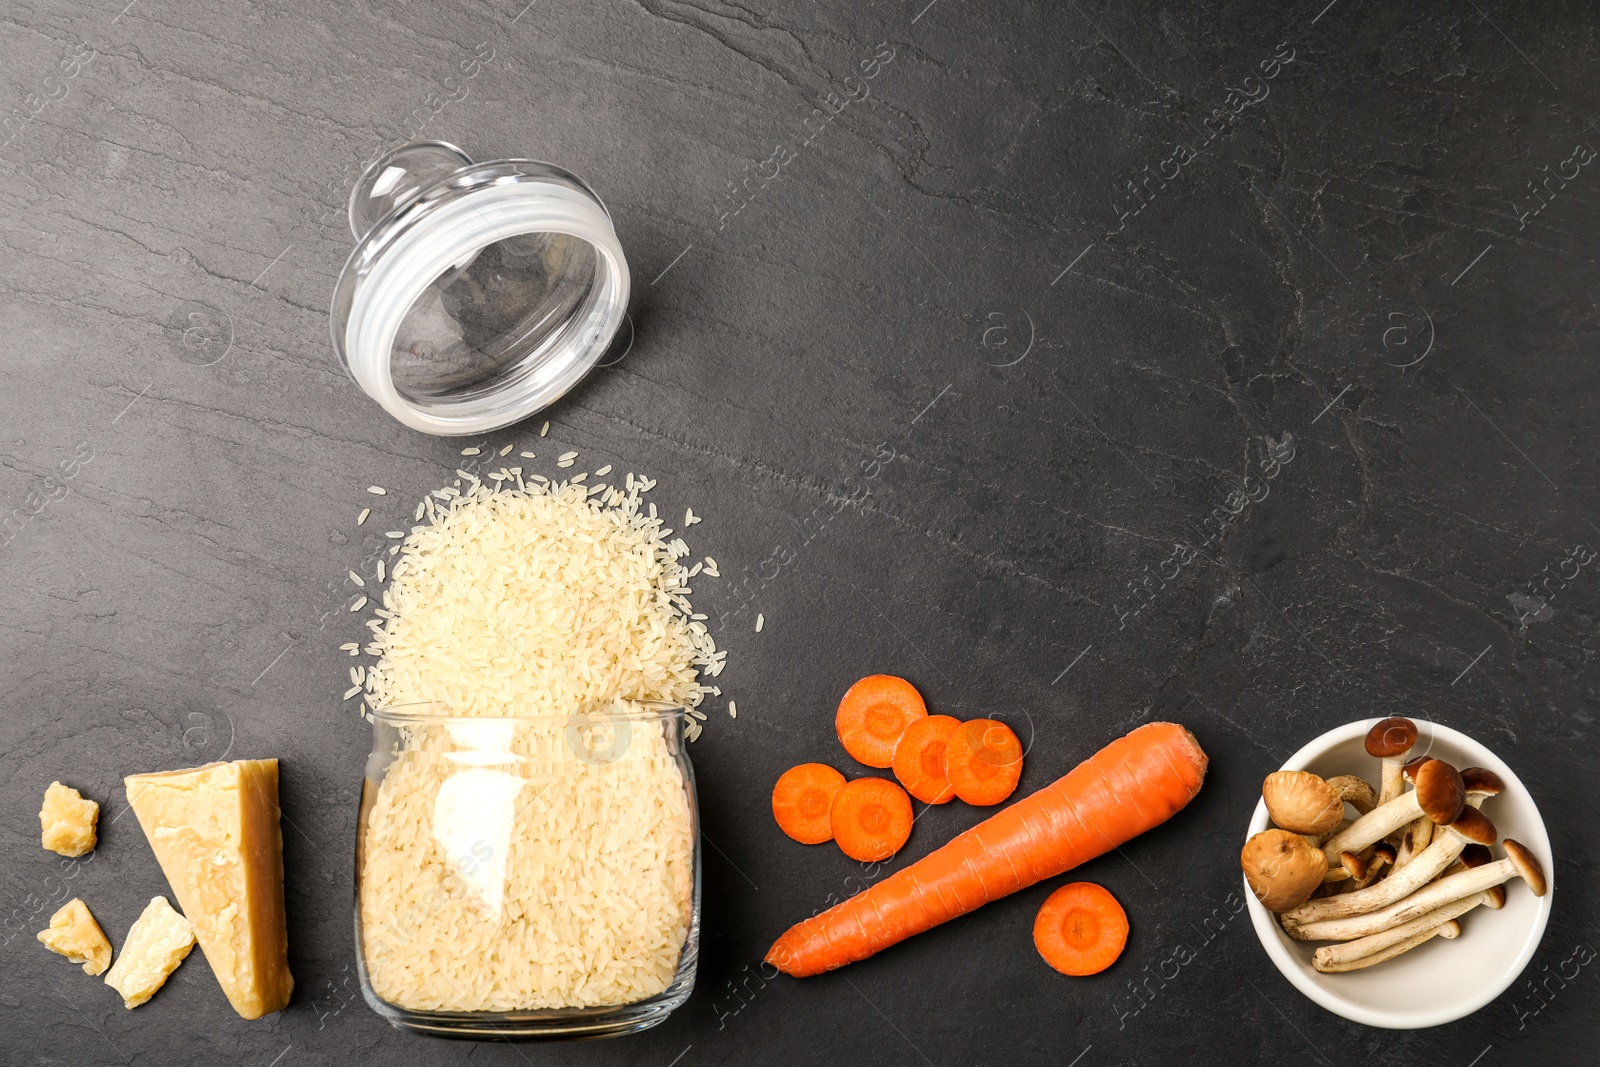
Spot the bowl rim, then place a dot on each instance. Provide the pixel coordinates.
(1300, 974)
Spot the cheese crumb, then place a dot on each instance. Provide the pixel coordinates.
(67, 821)
(74, 934)
(158, 942)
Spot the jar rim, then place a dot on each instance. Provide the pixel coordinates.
(428, 713)
(445, 223)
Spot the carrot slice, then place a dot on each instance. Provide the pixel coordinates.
(871, 819)
(919, 758)
(874, 713)
(1080, 929)
(983, 760)
(802, 802)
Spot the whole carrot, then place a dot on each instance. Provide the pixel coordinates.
(1133, 784)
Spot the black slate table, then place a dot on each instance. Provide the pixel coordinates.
(962, 325)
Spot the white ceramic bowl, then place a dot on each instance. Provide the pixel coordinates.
(1439, 981)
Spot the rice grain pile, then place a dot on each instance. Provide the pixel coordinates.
(541, 877)
(537, 599)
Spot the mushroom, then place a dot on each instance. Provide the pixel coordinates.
(1355, 791)
(1304, 803)
(1415, 837)
(1282, 868)
(1389, 740)
(1517, 863)
(1470, 826)
(1480, 783)
(1332, 958)
(1448, 928)
(1382, 856)
(1439, 795)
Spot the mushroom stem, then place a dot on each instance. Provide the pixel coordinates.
(1469, 827)
(1518, 862)
(1328, 956)
(1417, 836)
(1355, 791)
(1448, 929)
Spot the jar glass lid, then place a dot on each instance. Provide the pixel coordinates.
(478, 293)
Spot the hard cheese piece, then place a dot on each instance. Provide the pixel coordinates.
(158, 942)
(67, 821)
(215, 831)
(74, 934)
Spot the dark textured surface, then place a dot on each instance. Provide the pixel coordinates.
(944, 410)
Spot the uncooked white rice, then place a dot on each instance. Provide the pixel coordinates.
(532, 600)
(377, 490)
(361, 518)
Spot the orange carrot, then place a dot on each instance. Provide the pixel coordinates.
(871, 819)
(802, 802)
(1080, 929)
(1133, 784)
(983, 761)
(919, 758)
(874, 713)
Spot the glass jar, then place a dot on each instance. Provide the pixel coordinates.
(528, 878)
(477, 293)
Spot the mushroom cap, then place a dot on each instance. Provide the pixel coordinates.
(1527, 865)
(1353, 863)
(1391, 738)
(1413, 765)
(1282, 868)
(1450, 929)
(1356, 791)
(1383, 849)
(1475, 826)
(1301, 802)
(1440, 793)
(1476, 855)
(1497, 897)
(1482, 780)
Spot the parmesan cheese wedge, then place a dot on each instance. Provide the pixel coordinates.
(215, 831)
